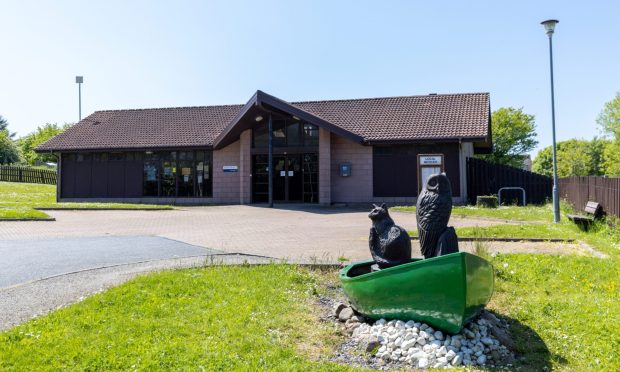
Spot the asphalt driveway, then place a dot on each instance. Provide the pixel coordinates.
(27, 260)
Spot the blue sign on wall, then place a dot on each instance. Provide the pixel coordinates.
(230, 168)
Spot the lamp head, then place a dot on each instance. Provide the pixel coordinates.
(550, 25)
(258, 118)
(79, 79)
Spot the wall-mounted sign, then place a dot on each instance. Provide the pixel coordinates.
(430, 159)
(345, 169)
(230, 168)
(428, 164)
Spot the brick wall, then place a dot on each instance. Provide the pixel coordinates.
(245, 167)
(226, 185)
(356, 188)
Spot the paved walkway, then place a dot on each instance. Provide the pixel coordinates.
(309, 232)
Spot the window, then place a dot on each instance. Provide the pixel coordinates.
(311, 135)
(151, 174)
(286, 133)
(178, 174)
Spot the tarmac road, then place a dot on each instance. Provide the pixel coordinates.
(23, 261)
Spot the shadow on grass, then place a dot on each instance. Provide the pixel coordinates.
(531, 352)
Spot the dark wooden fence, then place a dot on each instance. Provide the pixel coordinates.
(25, 174)
(484, 178)
(579, 190)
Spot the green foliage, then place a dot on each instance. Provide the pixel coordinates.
(575, 158)
(18, 200)
(611, 159)
(4, 127)
(9, 152)
(42, 134)
(222, 318)
(514, 135)
(609, 118)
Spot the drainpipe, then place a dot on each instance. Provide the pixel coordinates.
(270, 160)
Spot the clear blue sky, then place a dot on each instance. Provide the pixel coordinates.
(136, 54)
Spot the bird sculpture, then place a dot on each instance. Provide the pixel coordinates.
(433, 211)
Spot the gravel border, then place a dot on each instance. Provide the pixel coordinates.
(23, 302)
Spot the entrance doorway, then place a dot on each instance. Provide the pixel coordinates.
(295, 178)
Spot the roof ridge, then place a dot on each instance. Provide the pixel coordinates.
(167, 108)
(390, 97)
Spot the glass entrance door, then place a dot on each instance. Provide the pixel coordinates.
(294, 178)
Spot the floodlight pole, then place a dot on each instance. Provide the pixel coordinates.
(79, 80)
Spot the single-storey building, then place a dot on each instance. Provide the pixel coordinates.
(332, 151)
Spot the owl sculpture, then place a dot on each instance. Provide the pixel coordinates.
(433, 211)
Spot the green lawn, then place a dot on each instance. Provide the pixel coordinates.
(18, 200)
(530, 213)
(216, 318)
(565, 310)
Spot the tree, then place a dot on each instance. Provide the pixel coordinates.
(609, 118)
(8, 150)
(513, 134)
(611, 159)
(29, 143)
(575, 158)
(4, 124)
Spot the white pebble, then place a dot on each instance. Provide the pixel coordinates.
(423, 363)
(450, 355)
(457, 360)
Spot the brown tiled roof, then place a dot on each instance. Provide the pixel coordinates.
(412, 118)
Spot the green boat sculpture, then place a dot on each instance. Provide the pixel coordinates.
(445, 292)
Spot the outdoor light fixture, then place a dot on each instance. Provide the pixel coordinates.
(259, 118)
(549, 25)
(296, 118)
(549, 28)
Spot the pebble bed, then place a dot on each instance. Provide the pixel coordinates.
(419, 345)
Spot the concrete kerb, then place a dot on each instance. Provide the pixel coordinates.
(35, 219)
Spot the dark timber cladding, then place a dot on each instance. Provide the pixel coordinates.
(395, 168)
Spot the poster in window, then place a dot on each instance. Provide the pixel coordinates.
(151, 173)
(186, 171)
(167, 171)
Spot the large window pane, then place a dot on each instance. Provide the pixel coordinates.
(293, 135)
(168, 176)
(260, 135)
(311, 135)
(204, 169)
(151, 174)
(279, 134)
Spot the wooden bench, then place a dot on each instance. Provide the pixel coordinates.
(593, 210)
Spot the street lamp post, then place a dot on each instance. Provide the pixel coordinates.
(549, 28)
(79, 80)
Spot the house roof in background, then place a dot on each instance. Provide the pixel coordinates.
(409, 119)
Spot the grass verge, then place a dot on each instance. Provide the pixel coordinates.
(530, 213)
(18, 200)
(215, 318)
(564, 310)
